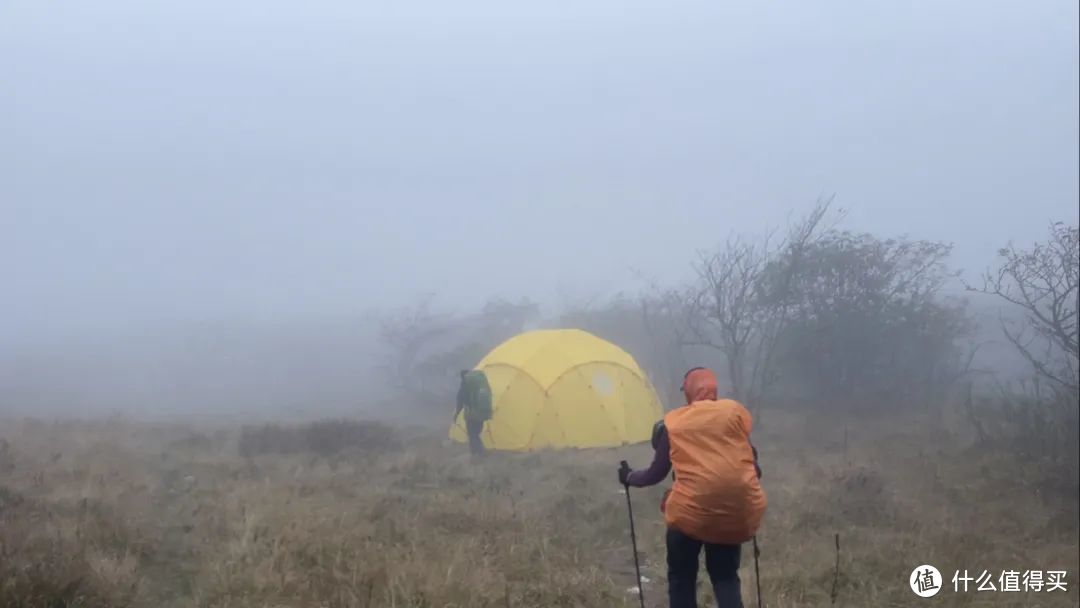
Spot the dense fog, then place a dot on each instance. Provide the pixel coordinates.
(220, 211)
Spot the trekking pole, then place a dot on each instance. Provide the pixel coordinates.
(757, 573)
(633, 535)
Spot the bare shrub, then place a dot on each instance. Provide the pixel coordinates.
(7, 458)
(1039, 426)
(1043, 282)
(321, 438)
(193, 441)
(425, 349)
(1038, 419)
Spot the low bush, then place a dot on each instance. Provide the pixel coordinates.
(321, 438)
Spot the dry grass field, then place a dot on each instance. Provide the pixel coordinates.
(116, 513)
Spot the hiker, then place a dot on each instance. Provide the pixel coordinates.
(474, 396)
(716, 500)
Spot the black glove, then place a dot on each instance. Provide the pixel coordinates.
(624, 473)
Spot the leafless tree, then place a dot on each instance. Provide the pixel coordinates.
(740, 304)
(1043, 283)
(404, 336)
(725, 313)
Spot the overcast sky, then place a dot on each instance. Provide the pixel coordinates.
(175, 161)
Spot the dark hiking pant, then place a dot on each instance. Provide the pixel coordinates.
(721, 562)
(473, 428)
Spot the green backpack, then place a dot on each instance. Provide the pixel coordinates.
(477, 397)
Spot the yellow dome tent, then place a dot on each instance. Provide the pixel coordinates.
(564, 388)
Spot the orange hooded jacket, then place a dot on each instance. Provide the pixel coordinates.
(717, 497)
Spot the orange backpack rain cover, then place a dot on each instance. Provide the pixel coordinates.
(717, 497)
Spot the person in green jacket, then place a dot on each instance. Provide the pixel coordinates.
(474, 397)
